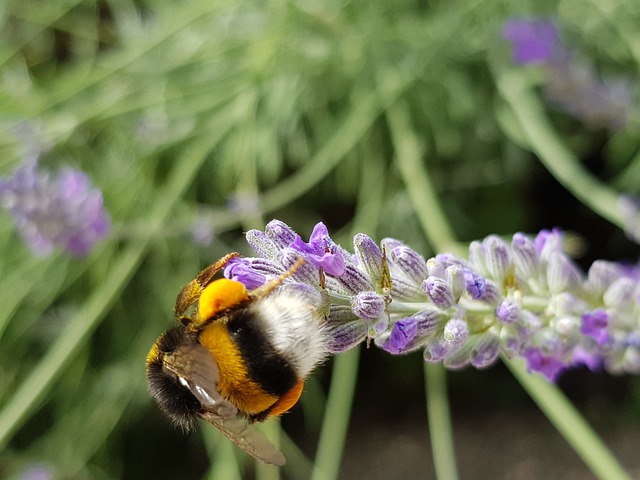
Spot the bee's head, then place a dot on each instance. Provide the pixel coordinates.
(183, 376)
(173, 398)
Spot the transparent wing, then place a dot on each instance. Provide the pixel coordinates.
(198, 371)
(252, 441)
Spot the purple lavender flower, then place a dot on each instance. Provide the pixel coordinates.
(402, 332)
(533, 40)
(240, 270)
(592, 360)
(475, 284)
(321, 250)
(61, 211)
(594, 324)
(525, 298)
(202, 231)
(547, 365)
(37, 472)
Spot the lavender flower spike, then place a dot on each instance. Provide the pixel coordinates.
(61, 211)
(521, 298)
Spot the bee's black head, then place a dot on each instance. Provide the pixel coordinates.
(173, 398)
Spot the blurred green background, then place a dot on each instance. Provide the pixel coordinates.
(201, 119)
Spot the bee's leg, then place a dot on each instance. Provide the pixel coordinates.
(270, 286)
(192, 290)
(322, 278)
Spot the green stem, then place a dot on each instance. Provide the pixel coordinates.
(569, 423)
(336, 418)
(57, 12)
(175, 21)
(298, 465)
(440, 430)
(547, 145)
(409, 150)
(264, 471)
(83, 323)
(224, 463)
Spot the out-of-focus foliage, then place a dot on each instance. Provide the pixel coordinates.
(200, 119)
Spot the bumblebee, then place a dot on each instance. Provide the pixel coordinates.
(237, 357)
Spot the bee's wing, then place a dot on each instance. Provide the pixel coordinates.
(252, 441)
(198, 371)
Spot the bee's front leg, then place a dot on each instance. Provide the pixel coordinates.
(190, 293)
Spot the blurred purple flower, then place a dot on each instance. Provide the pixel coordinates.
(547, 365)
(37, 472)
(576, 88)
(533, 40)
(55, 212)
(594, 324)
(202, 231)
(244, 203)
(593, 361)
(570, 84)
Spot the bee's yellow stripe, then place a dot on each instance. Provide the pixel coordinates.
(153, 354)
(235, 384)
(218, 296)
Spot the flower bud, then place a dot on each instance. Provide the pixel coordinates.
(508, 312)
(456, 332)
(456, 280)
(344, 336)
(497, 257)
(525, 257)
(620, 293)
(477, 257)
(354, 280)
(438, 291)
(369, 256)
(436, 350)
(341, 314)
(601, 275)
(406, 291)
(486, 350)
(368, 305)
(436, 268)
(475, 285)
(562, 273)
(411, 263)
(262, 244)
(280, 233)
